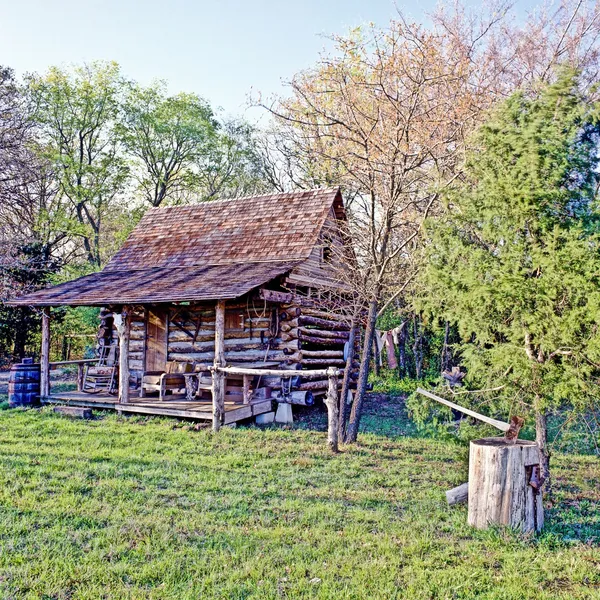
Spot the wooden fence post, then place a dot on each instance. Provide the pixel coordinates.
(331, 401)
(218, 377)
(45, 354)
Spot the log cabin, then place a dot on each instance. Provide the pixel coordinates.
(227, 303)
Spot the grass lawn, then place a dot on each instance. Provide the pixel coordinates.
(150, 508)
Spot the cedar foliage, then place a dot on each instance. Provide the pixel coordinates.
(515, 261)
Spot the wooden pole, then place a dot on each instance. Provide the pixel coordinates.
(331, 401)
(124, 328)
(218, 377)
(45, 354)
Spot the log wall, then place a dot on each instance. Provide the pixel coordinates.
(292, 336)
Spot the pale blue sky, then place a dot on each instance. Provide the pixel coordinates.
(218, 49)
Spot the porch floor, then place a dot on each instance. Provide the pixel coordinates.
(172, 406)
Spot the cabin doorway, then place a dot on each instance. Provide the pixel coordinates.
(156, 339)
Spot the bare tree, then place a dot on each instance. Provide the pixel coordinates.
(388, 117)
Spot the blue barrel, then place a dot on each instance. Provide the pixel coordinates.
(24, 384)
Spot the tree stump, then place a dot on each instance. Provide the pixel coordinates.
(504, 486)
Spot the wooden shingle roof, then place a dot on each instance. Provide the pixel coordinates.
(279, 227)
(215, 250)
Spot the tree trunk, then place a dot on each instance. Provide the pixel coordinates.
(346, 383)
(541, 437)
(418, 347)
(402, 366)
(363, 375)
(500, 484)
(331, 401)
(376, 355)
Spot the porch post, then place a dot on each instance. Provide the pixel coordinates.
(124, 329)
(218, 378)
(45, 354)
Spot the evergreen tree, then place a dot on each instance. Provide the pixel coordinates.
(515, 261)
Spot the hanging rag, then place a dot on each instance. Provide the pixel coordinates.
(391, 350)
(378, 340)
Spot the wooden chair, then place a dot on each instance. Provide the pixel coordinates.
(102, 377)
(163, 381)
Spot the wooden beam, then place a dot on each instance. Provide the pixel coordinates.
(45, 354)
(123, 324)
(272, 296)
(218, 377)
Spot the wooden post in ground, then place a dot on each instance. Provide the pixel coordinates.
(218, 377)
(331, 401)
(80, 370)
(45, 354)
(504, 484)
(247, 394)
(123, 328)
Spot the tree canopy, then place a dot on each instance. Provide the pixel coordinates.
(515, 259)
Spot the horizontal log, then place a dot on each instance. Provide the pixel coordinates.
(272, 296)
(289, 325)
(322, 353)
(323, 323)
(290, 313)
(324, 334)
(275, 372)
(288, 347)
(302, 398)
(334, 362)
(322, 314)
(253, 355)
(458, 494)
(233, 345)
(321, 341)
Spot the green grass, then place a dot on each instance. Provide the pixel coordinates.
(151, 508)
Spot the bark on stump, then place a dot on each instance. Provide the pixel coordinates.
(502, 482)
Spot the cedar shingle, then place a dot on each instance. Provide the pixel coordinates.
(215, 250)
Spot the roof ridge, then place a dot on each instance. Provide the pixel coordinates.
(324, 191)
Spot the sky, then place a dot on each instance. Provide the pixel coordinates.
(222, 50)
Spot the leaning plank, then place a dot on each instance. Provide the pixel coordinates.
(458, 494)
(74, 411)
(501, 425)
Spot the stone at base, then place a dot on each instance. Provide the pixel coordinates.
(74, 411)
(265, 418)
(284, 413)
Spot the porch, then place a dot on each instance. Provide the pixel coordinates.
(172, 406)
